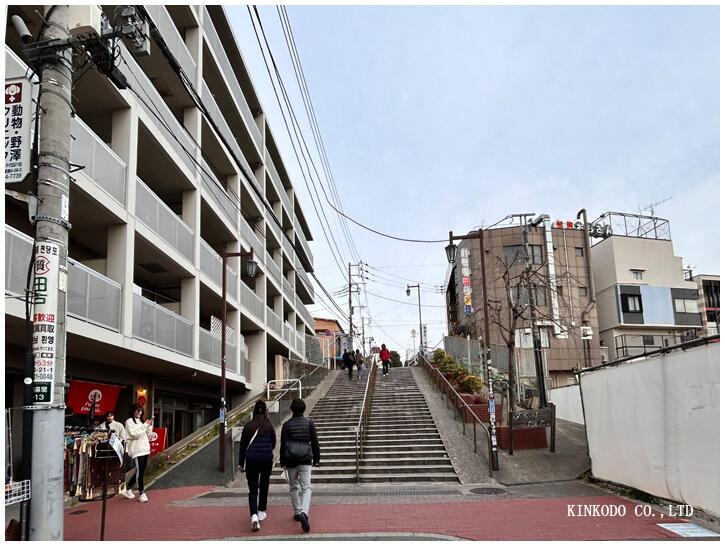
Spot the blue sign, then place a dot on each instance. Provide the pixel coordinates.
(491, 407)
(327, 332)
(469, 309)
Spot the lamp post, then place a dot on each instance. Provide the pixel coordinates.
(251, 272)
(420, 317)
(451, 256)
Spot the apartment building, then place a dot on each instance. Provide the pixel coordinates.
(708, 303)
(643, 299)
(566, 314)
(165, 185)
(330, 334)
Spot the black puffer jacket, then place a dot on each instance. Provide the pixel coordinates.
(299, 429)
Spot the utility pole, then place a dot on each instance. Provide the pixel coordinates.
(349, 299)
(534, 329)
(51, 257)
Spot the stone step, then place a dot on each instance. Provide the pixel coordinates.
(398, 451)
(409, 477)
(404, 461)
(317, 478)
(383, 448)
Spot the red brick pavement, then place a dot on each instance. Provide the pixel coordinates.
(517, 519)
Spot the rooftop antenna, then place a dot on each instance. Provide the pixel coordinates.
(651, 206)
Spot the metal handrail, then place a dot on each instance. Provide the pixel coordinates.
(294, 381)
(466, 408)
(363, 420)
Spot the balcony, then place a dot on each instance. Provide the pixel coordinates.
(161, 18)
(277, 183)
(225, 66)
(251, 302)
(92, 297)
(102, 165)
(272, 268)
(210, 264)
(302, 241)
(288, 290)
(300, 345)
(160, 219)
(632, 345)
(274, 323)
(303, 279)
(251, 237)
(289, 334)
(274, 226)
(304, 313)
(219, 199)
(289, 249)
(210, 351)
(159, 326)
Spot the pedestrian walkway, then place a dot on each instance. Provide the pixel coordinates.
(359, 512)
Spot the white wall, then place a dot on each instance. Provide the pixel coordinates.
(568, 403)
(654, 424)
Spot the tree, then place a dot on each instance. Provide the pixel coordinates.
(395, 359)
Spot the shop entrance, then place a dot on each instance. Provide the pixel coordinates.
(179, 416)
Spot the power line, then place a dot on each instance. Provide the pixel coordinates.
(405, 302)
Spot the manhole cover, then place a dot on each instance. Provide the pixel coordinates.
(487, 491)
(76, 512)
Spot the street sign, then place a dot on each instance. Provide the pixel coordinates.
(532, 418)
(18, 92)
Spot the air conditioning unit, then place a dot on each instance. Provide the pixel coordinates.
(85, 21)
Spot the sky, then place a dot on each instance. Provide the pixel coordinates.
(449, 118)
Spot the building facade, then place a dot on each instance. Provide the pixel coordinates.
(565, 314)
(330, 334)
(708, 303)
(173, 169)
(643, 299)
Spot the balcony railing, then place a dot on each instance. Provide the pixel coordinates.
(300, 344)
(251, 237)
(250, 301)
(273, 225)
(288, 290)
(159, 326)
(211, 265)
(272, 268)
(210, 351)
(289, 249)
(300, 238)
(219, 197)
(632, 345)
(274, 322)
(158, 217)
(289, 334)
(225, 66)
(92, 297)
(304, 313)
(305, 281)
(277, 183)
(102, 165)
(161, 18)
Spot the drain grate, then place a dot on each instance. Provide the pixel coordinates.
(76, 512)
(487, 491)
(399, 493)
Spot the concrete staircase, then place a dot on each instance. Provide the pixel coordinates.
(336, 417)
(402, 443)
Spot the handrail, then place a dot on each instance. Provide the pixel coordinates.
(465, 408)
(363, 420)
(298, 381)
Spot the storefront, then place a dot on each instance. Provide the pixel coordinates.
(181, 415)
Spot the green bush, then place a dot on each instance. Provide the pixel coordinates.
(447, 363)
(438, 356)
(471, 384)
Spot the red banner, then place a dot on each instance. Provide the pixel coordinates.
(82, 394)
(157, 441)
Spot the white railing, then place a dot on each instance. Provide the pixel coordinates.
(159, 326)
(272, 268)
(219, 198)
(250, 301)
(229, 74)
(251, 237)
(300, 238)
(289, 334)
(304, 313)
(211, 265)
(277, 183)
(161, 18)
(92, 297)
(274, 322)
(158, 217)
(210, 351)
(101, 164)
(273, 225)
(300, 344)
(288, 290)
(305, 281)
(289, 249)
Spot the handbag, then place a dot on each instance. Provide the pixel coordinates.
(297, 452)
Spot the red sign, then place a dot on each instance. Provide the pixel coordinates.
(466, 281)
(82, 394)
(157, 441)
(141, 400)
(13, 93)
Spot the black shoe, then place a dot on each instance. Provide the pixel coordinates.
(297, 517)
(304, 522)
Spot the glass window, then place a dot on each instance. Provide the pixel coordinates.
(578, 251)
(536, 253)
(634, 304)
(685, 305)
(514, 254)
(583, 291)
(648, 340)
(637, 275)
(521, 297)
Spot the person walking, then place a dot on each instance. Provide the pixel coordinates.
(114, 426)
(138, 448)
(348, 360)
(256, 452)
(360, 363)
(385, 357)
(299, 452)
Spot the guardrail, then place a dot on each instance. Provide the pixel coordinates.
(461, 407)
(251, 301)
(277, 183)
(272, 268)
(274, 322)
(159, 326)
(362, 423)
(300, 387)
(210, 351)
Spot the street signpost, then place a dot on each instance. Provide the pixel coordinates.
(536, 418)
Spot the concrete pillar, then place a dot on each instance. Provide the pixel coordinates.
(257, 344)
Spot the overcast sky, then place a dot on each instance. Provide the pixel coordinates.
(438, 119)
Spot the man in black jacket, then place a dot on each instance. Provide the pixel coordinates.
(299, 451)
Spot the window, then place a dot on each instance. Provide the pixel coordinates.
(560, 290)
(631, 303)
(637, 275)
(583, 291)
(536, 253)
(685, 306)
(648, 340)
(524, 339)
(516, 254)
(578, 251)
(521, 297)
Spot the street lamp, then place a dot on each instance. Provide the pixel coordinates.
(451, 255)
(420, 318)
(252, 270)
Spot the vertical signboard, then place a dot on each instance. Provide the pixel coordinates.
(45, 306)
(466, 275)
(18, 93)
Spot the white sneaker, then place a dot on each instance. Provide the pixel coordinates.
(261, 515)
(143, 498)
(128, 494)
(255, 523)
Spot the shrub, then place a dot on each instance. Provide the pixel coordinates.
(438, 356)
(447, 362)
(471, 383)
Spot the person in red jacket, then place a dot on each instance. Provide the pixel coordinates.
(385, 357)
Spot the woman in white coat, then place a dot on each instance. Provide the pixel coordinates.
(138, 448)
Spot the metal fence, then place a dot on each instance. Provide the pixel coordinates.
(250, 301)
(159, 326)
(210, 351)
(632, 345)
(313, 350)
(274, 322)
(458, 348)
